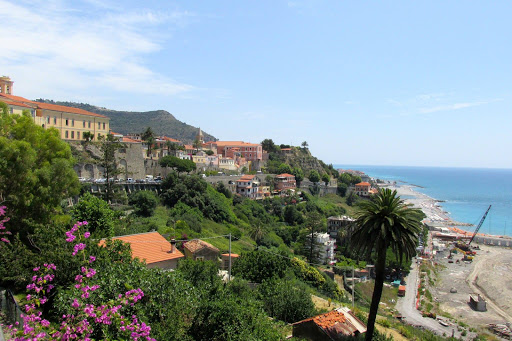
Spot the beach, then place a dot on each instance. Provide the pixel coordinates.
(489, 274)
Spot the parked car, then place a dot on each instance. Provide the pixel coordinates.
(81, 179)
(129, 180)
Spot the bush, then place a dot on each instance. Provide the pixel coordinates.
(97, 213)
(144, 203)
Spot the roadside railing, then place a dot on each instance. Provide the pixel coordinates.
(10, 308)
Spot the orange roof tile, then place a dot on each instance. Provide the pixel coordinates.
(235, 144)
(170, 139)
(63, 108)
(285, 175)
(129, 140)
(246, 178)
(15, 103)
(150, 247)
(17, 98)
(188, 146)
(197, 245)
(233, 255)
(363, 184)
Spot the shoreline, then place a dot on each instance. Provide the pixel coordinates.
(436, 215)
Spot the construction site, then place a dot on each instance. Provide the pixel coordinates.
(473, 281)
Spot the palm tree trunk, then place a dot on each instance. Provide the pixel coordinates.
(380, 269)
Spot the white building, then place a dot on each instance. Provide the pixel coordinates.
(326, 248)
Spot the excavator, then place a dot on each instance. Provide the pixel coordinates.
(465, 248)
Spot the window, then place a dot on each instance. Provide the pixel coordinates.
(89, 124)
(99, 125)
(54, 119)
(78, 135)
(73, 122)
(11, 110)
(8, 91)
(103, 125)
(72, 134)
(84, 123)
(66, 134)
(48, 119)
(67, 123)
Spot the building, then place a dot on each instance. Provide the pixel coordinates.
(477, 302)
(332, 326)
(336, 223)
(71, 122)
(197, 249)
(225, 260)
(248, 151)
(326, 246)
(285, 182)
(248, 186)
(153, 249)
(362, 189)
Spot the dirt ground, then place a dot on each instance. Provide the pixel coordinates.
(490, 274)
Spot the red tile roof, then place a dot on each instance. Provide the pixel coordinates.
(285, 175)
(363, 184)
(233, 255)
(17, 98)
(62, 108)
(235, 144)
(336, 322)
(170, 139)
(197, 245)
(129, 140)
(15, 103)
(245, 178)
(150, 247)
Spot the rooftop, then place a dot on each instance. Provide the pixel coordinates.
(150, 247)
(196, 245)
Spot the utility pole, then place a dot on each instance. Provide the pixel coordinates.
(229, 269)
(353, 286)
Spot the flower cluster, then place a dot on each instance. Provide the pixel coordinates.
(2, 227)
(80, 323)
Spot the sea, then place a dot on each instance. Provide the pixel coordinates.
(466, 192)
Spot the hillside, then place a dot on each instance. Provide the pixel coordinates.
(161, 122)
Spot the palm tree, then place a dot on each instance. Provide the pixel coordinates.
(149, 137)
(381, 223)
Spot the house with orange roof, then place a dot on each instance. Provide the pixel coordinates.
(362, 189)
(71, 122)
(332, 326)
(225, 260)
(153, 249)
(284, 182)
(248, 151)
(197, 249)
(248, 186)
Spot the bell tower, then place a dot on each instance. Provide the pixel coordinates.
(199, 136)
(6, 85)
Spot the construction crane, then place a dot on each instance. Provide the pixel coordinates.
(479, 225)
(465, 247)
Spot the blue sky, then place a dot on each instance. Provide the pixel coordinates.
(381, 83)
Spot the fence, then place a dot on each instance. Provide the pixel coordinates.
(10, 308)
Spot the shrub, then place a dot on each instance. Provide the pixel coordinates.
(144, 203)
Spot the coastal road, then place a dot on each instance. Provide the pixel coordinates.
(407, 307)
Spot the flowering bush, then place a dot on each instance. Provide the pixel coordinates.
(2, 227)
(86, 321)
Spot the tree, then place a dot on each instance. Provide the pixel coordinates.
(209, 152)
(197, 144)
(352, 198)
(268, 145)
(109, 145)
(299, 175)
(149, 137)
(346, 178)
(97, 213)
(144, 203)
(342, 189)
(36, 172)
(304, 145)
(326, 178)
(257, 266)
(179, 165)
(284, 168)
(314, 177)
(88, 136)
(172, 147)
(314, 225)
(381, 223)
(221, 188)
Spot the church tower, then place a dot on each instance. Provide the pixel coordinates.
(6, 85)
(199, 136)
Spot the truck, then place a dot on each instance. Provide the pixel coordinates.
(401, 290)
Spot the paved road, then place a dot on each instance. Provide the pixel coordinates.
(407, 307)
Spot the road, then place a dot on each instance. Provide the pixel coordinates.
(407, 307)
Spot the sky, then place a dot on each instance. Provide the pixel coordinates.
(363, 82)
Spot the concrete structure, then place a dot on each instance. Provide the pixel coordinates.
(153, 249)
(336, 223)
(362, 189)
(71, 122)
(332, 326)
(200, 250)
(477, 302)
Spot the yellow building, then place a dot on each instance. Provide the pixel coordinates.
(71, 122)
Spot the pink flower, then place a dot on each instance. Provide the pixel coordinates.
(87, 234)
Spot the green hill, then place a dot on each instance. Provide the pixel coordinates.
(161, 122)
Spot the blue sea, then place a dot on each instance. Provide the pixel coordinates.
(467, 192)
